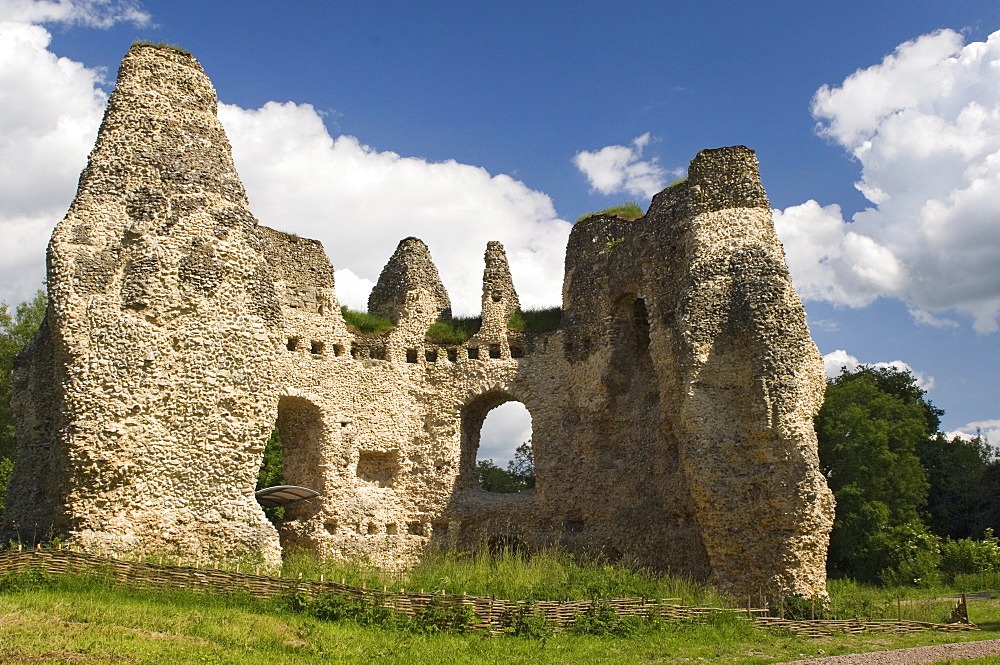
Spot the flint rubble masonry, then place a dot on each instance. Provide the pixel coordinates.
(672, 410)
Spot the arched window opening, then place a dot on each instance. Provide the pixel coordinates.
(504, 460)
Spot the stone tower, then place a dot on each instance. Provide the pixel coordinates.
(145, 400)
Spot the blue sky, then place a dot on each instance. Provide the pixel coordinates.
(362, 123)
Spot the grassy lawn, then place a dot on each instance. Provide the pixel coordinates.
(84, 619)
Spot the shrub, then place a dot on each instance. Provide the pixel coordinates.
(364, 322)
(436, 617)
(527, 621)
(601, 619)
(906, 555)
(26, 580)
(334, 607)
(968, 557)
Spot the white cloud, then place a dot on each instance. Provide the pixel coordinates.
(360, 202)
(50, 109)
(618, 168)
(829, 261)
(353, 290)
(840, 359)
(987, 428)
(505, 428)
(90, 13)
(925, 126)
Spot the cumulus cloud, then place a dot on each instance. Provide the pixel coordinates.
(837, 360)
(90, 13)
(360, 202)
(50, 109)
(619, 168)
(924, 124)
(990, 429)
(505, 428)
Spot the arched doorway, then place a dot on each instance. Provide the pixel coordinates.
(293, 452)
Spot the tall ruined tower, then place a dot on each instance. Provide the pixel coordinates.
(671, 408)
(706, 379)
(142, 400)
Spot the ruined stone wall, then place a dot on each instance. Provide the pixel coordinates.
(672, 410)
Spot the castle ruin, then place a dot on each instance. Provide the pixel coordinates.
(671, 410)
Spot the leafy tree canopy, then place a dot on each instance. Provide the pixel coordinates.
(517, 477)
(868, 440)
(16, 330)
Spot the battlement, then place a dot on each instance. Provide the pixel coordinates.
(671, 408)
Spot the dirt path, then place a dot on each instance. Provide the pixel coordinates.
(932, 654)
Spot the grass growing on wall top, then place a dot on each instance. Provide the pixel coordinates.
(536, 320)
(455, 330)
(172, 47)
(458, 330)
(628, 211)
(364, 322)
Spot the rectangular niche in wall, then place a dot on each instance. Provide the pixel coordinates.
(377, 467)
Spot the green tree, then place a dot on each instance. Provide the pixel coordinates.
(517, 477)
(868, 439)
(16, 330)
(957, 470)
(272, 473)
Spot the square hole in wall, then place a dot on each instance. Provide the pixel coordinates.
(377, 467)
(494, 350)
(372, 529)
(473, 353)
(411, 355)
(415, 528)
(316, 348)
(453, 355)
(293, 343)
(431, 355)
(331, 528)
(355, 351)
(378, 353)
(338, 350)
(391, 529)
(517, 352)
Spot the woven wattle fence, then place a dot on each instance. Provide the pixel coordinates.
(492, 614)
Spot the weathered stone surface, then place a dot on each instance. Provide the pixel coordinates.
(672, 410)
(144, 400)
(409, 275)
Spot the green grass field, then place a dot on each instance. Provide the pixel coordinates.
(85, 619)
